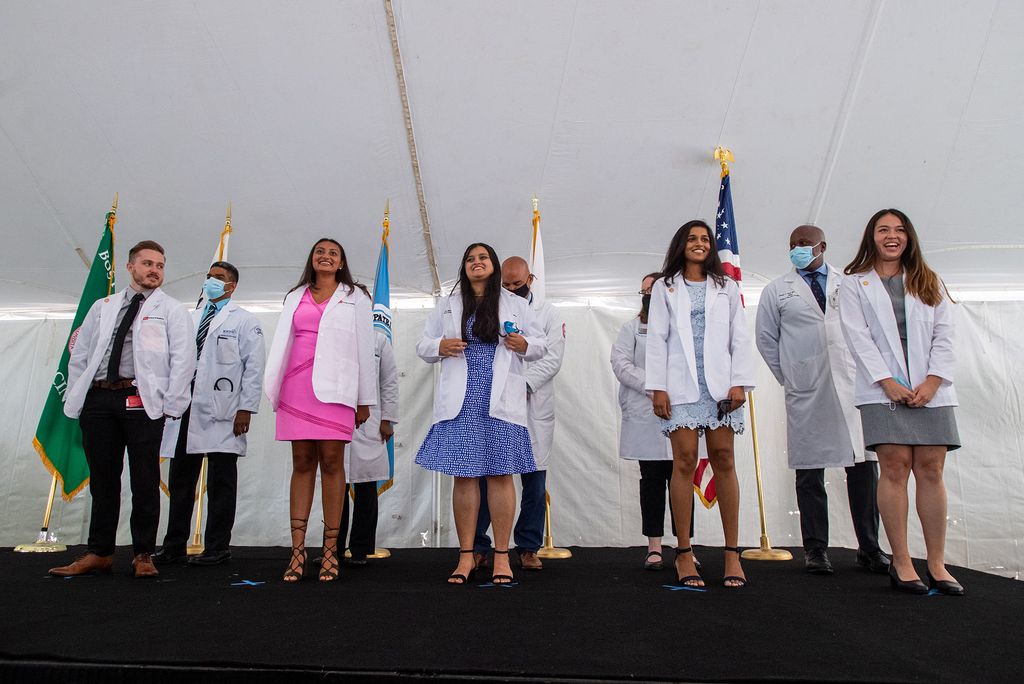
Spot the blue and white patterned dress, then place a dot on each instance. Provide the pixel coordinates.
(473, 444)
(703, 413)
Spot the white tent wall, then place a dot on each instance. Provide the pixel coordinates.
(594, 493)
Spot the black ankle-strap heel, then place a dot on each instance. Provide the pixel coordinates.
(502, 579)
(690, 580)
(461, 579)
(733, 578)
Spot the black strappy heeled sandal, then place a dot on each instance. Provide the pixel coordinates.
(690, 580)
(733, 578)
(502, 579)
(329, 565)
(297, 563)
(462, 579)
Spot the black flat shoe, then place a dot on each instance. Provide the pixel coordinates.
(167, 556)
(873, 561)
(816, 562)
(914, 586)
(945, 587)
(656, 564)
(210, 558)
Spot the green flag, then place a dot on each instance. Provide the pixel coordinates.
(58, 438)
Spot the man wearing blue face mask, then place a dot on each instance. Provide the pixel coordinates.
(226, 391)
(800, 337)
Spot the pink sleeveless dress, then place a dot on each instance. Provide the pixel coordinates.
(300, 415)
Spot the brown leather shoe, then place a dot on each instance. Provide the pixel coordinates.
(88, 564)
(481, 561)
(528, 560)
(142, 566)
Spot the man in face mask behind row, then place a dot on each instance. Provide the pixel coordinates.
(226, 392)
(800, 337)
(540, 375)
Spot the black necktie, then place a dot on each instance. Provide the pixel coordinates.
(204, 327)
(114, 366)
(818, 293)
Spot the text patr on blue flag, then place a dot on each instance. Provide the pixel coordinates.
(382, 323)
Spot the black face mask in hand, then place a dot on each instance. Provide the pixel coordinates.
(523, 291)
(645, 303)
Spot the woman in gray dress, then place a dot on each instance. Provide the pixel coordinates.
(898, 320)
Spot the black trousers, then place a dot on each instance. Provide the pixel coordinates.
(654, 480)
(108, 427)
(221, 489)
(862, 490)
(362, 539)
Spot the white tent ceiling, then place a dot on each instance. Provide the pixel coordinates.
(608, 111)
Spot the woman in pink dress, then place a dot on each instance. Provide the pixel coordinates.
(320, 381)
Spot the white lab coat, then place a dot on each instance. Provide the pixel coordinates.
(343, 366)
(366, 458)
(641, 438)
(540, 384)
(869, 324)
(671, 364)
(163, 349)
(229, 379)
(508, 386)
(807, 353)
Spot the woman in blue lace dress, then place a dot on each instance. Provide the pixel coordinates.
(480, 334)
(699, 366)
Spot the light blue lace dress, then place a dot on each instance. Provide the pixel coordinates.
(703, 413)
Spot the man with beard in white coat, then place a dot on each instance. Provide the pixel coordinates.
(129, 371)
(529, 530)
(366, 458)
(225, 393)
(800, 337)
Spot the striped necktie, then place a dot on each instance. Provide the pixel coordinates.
(204, 327)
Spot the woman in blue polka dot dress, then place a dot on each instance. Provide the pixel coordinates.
(481, 335)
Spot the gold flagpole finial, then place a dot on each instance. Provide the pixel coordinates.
(113, 205)
(227, 219)
(387, 207)
(724, 157)
(536, 203)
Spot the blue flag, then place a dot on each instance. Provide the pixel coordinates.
(382, 323)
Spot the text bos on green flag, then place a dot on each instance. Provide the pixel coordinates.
(58, 439)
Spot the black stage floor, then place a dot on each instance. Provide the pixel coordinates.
(597, 616)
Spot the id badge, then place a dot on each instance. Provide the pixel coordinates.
(133, 403)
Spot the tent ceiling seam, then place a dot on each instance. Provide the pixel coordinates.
(411, 139)
(845, 110)
(558, 98)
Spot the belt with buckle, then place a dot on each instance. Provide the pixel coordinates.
(113, 385)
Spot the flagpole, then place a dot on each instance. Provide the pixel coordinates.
(46, 541)
(197, 546)
(765, 552)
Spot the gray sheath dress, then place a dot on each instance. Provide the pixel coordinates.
(899, 423)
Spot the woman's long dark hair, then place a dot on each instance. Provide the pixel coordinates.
(485, 327)
(675, 258)
(922, 281)
(343, 275)
(642, 315)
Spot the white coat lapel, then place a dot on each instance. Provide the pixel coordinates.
(221, 317)
(882, 304)
(800, 286)
(835, 279)
(683, 323)
(336, 298)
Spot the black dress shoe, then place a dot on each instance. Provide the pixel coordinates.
(945, 587)
(210, 558)
(914, 586)
(167, 556)
(873, 561)
(816, 562)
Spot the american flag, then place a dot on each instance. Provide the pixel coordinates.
(725, 231)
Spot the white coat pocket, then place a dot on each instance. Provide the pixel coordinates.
(343, 316)
(227, 351)
(225, 405)
(153, 335)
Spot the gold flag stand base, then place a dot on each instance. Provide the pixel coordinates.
(766, 552)
(45, 544)
(377, 553)
(549, 550)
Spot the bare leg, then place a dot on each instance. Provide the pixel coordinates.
(931, 506)
(501, 500)
(300, 499)
(466, 506)
(894, 464)
(723, 462)
(680, 488)
(331, 456)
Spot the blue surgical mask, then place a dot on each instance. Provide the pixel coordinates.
(802, 256)
(213, 288)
